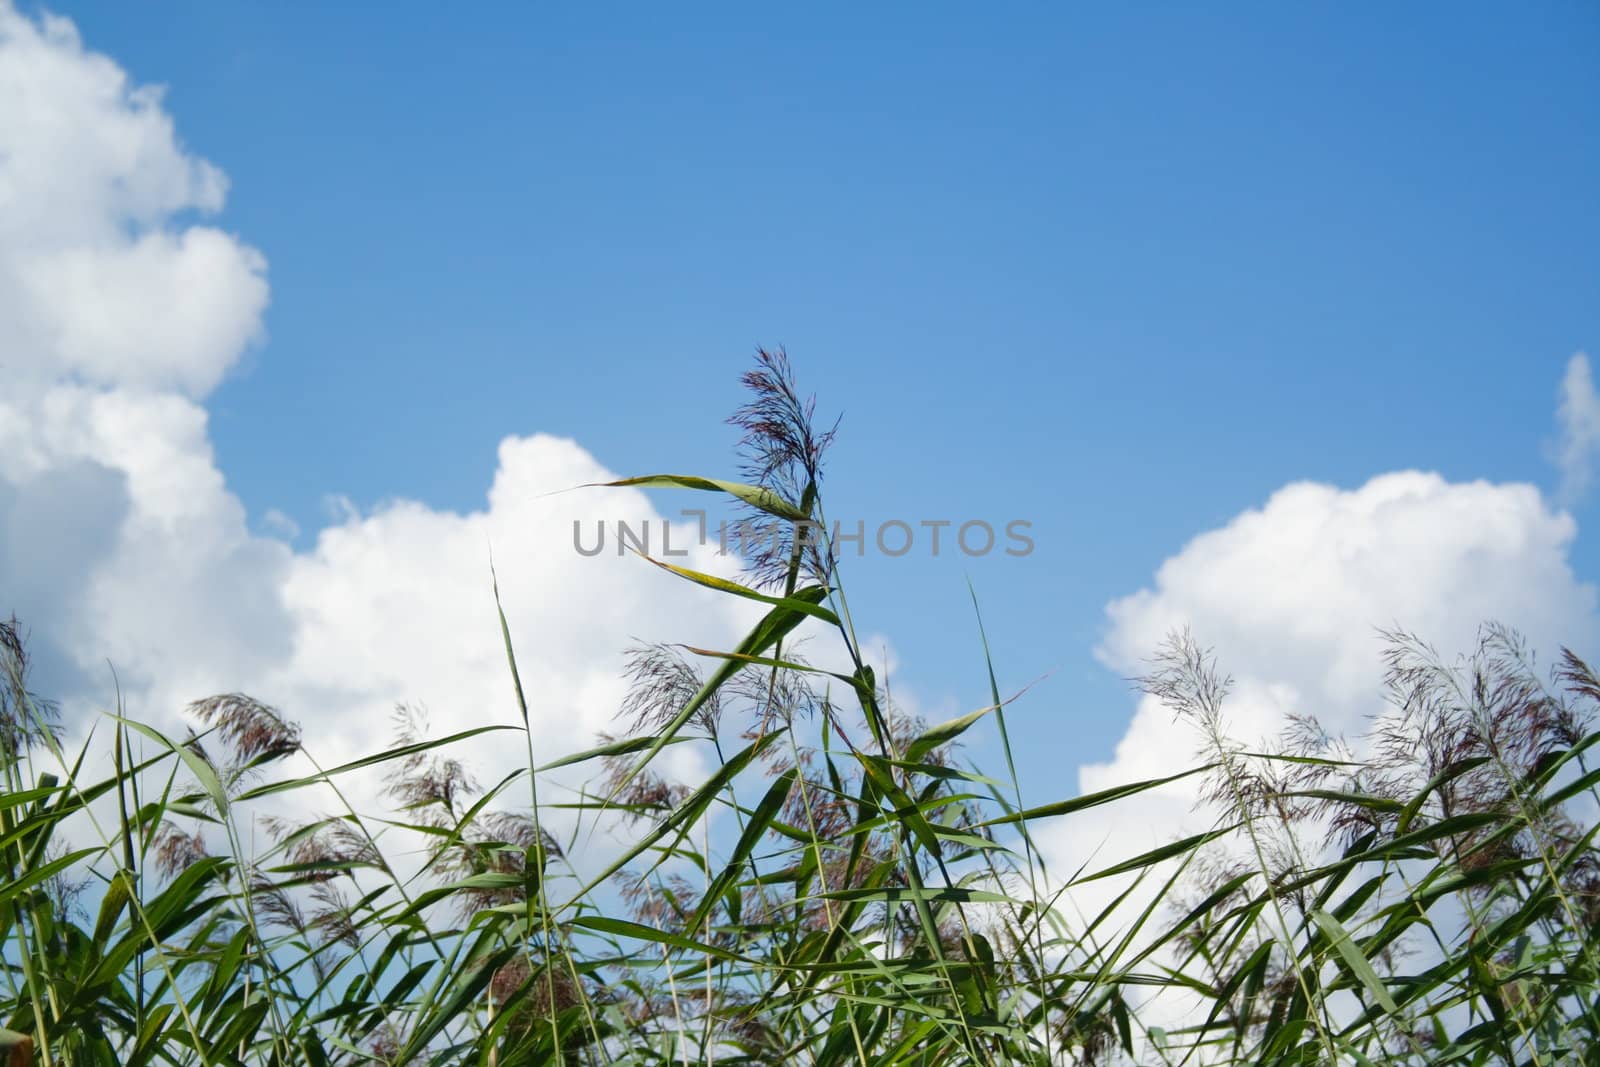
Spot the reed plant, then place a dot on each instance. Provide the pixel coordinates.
(840, 888)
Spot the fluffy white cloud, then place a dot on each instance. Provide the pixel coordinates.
(120, 540)
(1291, 597)
(96, 283)
(397, 606)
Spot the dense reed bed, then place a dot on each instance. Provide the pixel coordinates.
(841, 888)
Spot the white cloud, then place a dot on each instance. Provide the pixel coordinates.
(97, 285)
(397, 606)
(1291, 596)
(1578, 415)
(120, 540)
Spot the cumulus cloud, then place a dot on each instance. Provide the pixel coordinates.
(96, 283)
(396, 606)
(120, 540)
(1291, 596)
(1578, 416)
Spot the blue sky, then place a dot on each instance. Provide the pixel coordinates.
(1122, 272)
